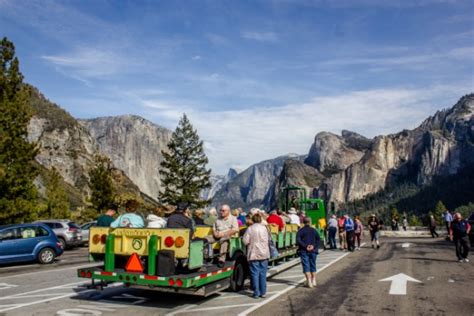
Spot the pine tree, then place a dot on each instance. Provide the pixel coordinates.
(438, 212)
(100, 183)
(18, 194)
(58, 202)
(394, 213)
(414, 221)
(184, 167)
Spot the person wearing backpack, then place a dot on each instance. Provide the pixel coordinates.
(349, 228)
(358, 230)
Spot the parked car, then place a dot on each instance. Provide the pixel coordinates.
(28, 242)
(85, 232)
(69, 233)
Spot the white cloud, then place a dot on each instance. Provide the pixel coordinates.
(217, 39)
(413, 61)
(243, 137)
(196, 57)
(87, 62)
(260, 36)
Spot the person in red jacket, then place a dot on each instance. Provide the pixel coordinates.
(276, 220)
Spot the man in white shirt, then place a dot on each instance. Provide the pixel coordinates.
(222, 230)
(294, 218)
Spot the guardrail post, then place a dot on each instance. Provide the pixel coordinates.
(109, 261)
(152, 252)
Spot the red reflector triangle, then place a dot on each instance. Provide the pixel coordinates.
(134, 264)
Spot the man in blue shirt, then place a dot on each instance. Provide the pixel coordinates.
(459, 232)
(448, 218)
(349, 228)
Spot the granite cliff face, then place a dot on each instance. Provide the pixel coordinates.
(64, 143)
(217, 182)
(254, 187)
(353, 167)
(134, 145)
(68, 146)
(331, 153)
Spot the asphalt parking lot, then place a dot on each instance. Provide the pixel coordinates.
(348, 283)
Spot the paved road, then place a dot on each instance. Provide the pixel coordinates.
(55, 290)
(353, 287)
(68, 258)
(48, 291)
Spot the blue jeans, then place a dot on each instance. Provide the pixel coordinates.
(332, 237)
(308, 260)
(258, 274)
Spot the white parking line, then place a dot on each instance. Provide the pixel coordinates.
(243, 295)
(289, 277)
(211, 308)
(44, 289)
(47, 296)
(38, 302)
(51, 270)
(268, 300)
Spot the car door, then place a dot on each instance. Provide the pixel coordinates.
(30, 237)
(8, 244)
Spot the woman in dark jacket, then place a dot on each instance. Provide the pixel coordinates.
(308, 241)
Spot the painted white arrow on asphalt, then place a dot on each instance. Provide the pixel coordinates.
(4, 286)
(399, 283)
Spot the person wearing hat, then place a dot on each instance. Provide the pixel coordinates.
(294, 219)
(179, 219)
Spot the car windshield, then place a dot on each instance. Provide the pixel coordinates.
(73, 225)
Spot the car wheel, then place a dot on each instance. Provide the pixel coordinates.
(63, 243)
(46, 256)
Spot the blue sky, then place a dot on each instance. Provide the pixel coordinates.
(257, 78)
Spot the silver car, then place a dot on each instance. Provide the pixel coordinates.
(69, 233)
(85, 232)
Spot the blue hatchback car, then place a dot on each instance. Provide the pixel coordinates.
(28, 242)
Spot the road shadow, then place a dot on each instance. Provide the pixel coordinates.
(429, 259)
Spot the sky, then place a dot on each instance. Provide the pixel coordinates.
(258, 79)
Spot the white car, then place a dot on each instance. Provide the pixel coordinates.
(85, 232)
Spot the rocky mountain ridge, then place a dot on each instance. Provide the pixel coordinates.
(355, 167)
(339, 168)
(134, 145)
(253, 187)
(68, 146)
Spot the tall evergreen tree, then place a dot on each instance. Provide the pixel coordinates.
(18, 194)
(184, 167)
(100, 183)
(440, 208)
(58, 202)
